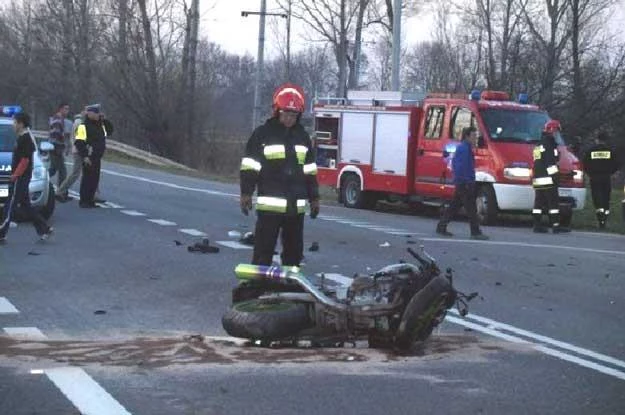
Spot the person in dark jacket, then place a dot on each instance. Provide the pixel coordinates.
(279, 164)
(21, 171)
(546, 180)
(463, 165)
(600, 163)
(90, 142)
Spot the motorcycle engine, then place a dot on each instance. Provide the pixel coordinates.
(380, 287)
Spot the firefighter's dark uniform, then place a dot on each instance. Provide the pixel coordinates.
(91, 142)
(600, 163)
(279, 163)
(545, 183)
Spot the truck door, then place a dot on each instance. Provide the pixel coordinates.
(430, 165)
(462, 117)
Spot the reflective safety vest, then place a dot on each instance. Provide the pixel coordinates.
(279, 163)
(90, 143)
(546, 169)
(600, 160)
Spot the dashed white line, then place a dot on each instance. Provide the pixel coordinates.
(25, 333)
(132, 213)
(84, 392)
(162, 222)
(6, 307)
(192, 232)
(114, 205)
(233, 245)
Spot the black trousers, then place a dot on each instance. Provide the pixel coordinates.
(547, 202)
(19, 198)
(90, 181)
(464, 195)
(268, 226)
(601, 189)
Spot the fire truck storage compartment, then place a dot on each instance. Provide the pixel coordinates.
(326, 135)
(392, 131)
(357, 137)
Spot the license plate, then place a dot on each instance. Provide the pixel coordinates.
(565, 192)
(4, 191)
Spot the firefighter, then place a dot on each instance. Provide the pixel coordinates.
(279, 164)
(90, 142)
(600, 163)
(546, 180)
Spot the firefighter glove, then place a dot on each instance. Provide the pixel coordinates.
(314, 208)
(87, 161)
(246, 204)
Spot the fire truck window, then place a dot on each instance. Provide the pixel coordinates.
(461, 118)
(434, 122)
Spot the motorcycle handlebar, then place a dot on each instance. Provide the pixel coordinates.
(425, 262)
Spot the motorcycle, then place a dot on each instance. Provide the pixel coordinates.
(395, 307)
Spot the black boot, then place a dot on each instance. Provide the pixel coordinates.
(442, 230)
(538, 226)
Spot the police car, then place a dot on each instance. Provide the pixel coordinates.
(41, 189)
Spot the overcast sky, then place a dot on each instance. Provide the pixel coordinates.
(223, 24)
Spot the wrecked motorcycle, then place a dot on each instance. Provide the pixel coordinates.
(395, 307)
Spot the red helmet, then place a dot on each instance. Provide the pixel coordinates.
(551, 126)
(288, 97)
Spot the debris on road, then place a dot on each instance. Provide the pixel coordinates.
(178, 243)
(203, 247)
(314, 247)
(33, 253)
(99, 312)
(385, 245)
(498, 283)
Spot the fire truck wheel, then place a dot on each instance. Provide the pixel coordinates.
(353, 197)
(486, 201)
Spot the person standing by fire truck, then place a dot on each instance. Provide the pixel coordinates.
(279, 162)
(546, 180)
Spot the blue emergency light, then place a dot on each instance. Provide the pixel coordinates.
(524, 98)
(10, 110)
(475, 95)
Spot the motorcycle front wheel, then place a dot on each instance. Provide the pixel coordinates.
(266, 321)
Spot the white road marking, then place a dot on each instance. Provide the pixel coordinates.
(114, 205)
(171, 185)
(6, 307)
(233, 245)
(523, 244)
(103, 205)
(162, 222)
(77, 386)
(496, 325)
(543, 349)
(132, 213)
(387, 229)
(25, 333)
(192, 232)
(84, 392)
(340, 278)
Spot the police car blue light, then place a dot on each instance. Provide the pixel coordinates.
(10, 110)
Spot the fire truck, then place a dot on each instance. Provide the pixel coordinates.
(398, 146)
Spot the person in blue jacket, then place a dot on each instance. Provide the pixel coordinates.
(463, 165)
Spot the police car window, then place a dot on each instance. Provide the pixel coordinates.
(434, 122)
(461, 118)
(7, 137)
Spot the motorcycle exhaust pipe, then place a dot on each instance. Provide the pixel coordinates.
(254, 272)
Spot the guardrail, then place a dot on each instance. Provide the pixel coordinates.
(129, 151)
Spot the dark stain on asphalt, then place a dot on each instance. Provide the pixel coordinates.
(157, 352)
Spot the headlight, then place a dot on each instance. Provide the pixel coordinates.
(517, 173)
(39, 173)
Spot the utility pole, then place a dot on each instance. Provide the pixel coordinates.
(396, 44)
(260, 56)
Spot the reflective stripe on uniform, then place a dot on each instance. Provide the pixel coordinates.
(81, 133)
(274, 152)
(250, 164)
(537, 211)
(310, 168)
(554, 211)
(543, 181)
(271, 204)
(552, 169)
(607, 212)
(301, 205)
(555, 152)
(600, 155)
(600, 210)
(301, 153)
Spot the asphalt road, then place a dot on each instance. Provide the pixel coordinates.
(104, 317)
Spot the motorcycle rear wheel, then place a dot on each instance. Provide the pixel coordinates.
(418, 321)
(266, 321)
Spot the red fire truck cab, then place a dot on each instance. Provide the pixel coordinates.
(377, 145)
